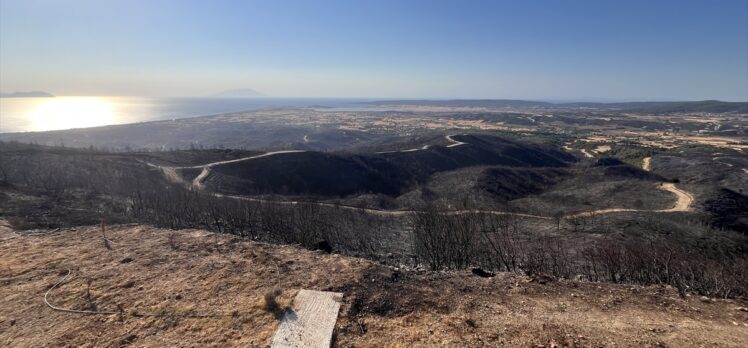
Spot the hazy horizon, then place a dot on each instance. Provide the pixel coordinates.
(602, 100)
(586, 50)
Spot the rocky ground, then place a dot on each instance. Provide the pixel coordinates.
(193, 288)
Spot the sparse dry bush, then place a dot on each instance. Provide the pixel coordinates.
(270, 302)
(664, 262)
(445, 241)
(498, 243)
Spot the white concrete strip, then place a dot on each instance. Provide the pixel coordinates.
(311, 321)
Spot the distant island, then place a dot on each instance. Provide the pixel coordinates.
(239, 93)
(31, 94)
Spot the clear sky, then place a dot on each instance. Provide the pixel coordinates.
(552, 49)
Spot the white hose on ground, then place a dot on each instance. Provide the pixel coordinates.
(57, 308)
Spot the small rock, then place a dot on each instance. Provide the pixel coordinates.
(324, 246)
(178, 296)
(743, 309)
(542, 278)
(707, 299)
(126, 260)
(481, 273)
(127, 340)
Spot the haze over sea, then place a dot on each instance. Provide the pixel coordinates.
(43, 114)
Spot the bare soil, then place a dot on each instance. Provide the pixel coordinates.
(161, 279)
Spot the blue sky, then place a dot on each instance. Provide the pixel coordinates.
(563, 50)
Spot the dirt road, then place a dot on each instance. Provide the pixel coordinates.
(453, 142)
(198, 181)
(425, 147)
(684, 201)
(267, 154)
(646, 163)
(684, 198)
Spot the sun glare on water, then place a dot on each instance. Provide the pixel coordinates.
(71, 112)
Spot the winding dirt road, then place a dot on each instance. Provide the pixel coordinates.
(198, 181)
(171, 174)
(273, 153)
(454, 142)
(684, 199)
(425, 147)
(682, 203)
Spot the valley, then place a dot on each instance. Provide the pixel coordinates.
(683, 201)
(538, 199)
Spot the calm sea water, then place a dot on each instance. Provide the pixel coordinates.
(41, 114)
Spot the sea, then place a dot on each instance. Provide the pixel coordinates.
(55, 113)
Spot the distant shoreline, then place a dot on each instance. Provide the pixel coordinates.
(31, 94)
(656, 107)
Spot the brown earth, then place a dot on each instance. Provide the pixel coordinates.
(163, 279)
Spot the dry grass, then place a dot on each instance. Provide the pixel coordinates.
(236, 282)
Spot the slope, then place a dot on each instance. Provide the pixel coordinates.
(391, 173)
(194, 288)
